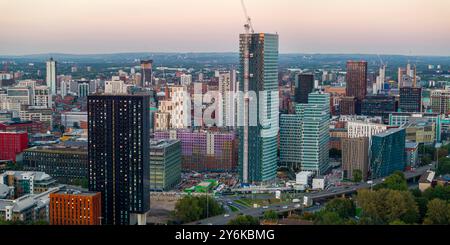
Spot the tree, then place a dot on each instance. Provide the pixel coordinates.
(345, 208)
(441, 192)
(395, 181)
(443, 166)
(270, 215)
(385, 205)
(244, 220)
(426, 160)
(191, 208)
(438, 213)
(328, 218)
(357, 176)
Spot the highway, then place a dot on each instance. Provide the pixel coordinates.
(331, 192)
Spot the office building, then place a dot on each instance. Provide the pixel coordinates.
(12, 144)
(378, 106)
(83, 88)
(27, 182)
(51, 75)
(304, 85)
(115, 87)
(387, 152)
(68, 165)
(165, 164)
(315, 134)
(185, 79)
(118, 156)
(440, 101)
(356, 79)
(410, 99)
(146, 73)
(74, 207)
(31, 127)
(421, 132)
(401, 118)
(259, 74)
(290, 140)
(355, 156)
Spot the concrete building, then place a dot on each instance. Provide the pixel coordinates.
(357, 129)
(355, 156)
(51, 75)
(69, 165)
(27, 182)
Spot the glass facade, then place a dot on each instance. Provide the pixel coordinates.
(259, 74)
(388, 152)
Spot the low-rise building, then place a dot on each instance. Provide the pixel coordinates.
(66, 164)
(27, 182)
(75, 207)
(426, 180)
(165, 164)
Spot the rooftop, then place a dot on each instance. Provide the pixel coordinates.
(389, 132)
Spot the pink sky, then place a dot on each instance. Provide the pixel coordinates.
(311, 26)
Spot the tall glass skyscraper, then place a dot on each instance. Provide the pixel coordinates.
(315, 133)
(259, 76)
(51, 75)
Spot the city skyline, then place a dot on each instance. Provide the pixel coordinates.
(324, 26)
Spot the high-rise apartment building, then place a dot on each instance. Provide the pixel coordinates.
(355, 156)
(119, 129)
(290, 139)
(258, 76)
(227, 89)
(356, 79)
(51, 76)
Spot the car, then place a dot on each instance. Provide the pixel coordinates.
(209, 224)
(226, 215)
(296, 205)
(265, 207)
(230, 202)
(284, 207)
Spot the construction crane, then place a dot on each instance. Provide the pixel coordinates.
(248, 26)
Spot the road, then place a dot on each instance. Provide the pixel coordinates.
(331, 192)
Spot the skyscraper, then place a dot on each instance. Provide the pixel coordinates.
(259, 78)
(356, 79)
(119, 155)
(304, 85)
(51, 75)
(290, 140)
(355, 156)
(315, 135)
(147, 72)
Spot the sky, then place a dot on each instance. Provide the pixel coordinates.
(409, 27)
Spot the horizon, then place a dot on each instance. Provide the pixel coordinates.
(323, 26)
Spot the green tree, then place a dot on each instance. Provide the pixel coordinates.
(443, 166)
(426, 160)
(345, 208)
(441, 192)
(386, 205)
(438, 213)
(357, 176)
(328, 218)
(191, 208)
(244, 220)
(395, 181)
(270, 215)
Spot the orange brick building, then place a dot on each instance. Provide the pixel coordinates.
(69, 207)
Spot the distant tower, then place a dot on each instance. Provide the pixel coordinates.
(147, 72)
(51, 75)
(356, 79)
